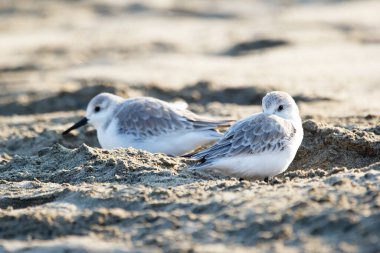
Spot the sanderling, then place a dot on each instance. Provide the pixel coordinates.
(260, 146)
(148, 123)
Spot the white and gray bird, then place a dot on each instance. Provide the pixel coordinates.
(149, 124)
(260, 146)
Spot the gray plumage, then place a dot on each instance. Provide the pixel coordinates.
(258, 134)
(145, 117)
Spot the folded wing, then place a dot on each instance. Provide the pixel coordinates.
(146, 117)
(257, 134)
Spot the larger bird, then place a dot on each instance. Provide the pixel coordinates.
(148, 123)
(262, 145)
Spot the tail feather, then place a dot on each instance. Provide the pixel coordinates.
(199, 155)
(202, 165)
(189, 155)
(225, 122)
(212, 124)
(200, 162)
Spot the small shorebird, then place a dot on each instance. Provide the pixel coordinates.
(260, 146)
(148, 123)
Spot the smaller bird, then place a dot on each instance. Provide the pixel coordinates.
(149, 124)
(260, 146)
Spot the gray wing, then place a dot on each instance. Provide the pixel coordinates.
(145, 117)
(257, 134)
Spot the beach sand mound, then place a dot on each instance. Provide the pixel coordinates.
(151, 201)
(325, 146)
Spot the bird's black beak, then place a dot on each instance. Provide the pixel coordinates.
(80, 123)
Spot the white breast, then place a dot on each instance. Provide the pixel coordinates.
(255, 166)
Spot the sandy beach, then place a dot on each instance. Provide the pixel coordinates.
(66, 194)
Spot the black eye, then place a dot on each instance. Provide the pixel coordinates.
(97, 108)
(280, 108)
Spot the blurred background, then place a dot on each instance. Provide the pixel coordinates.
(56, 54)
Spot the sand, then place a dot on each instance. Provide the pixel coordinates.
(65, 194)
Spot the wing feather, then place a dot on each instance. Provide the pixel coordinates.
(145, 117)
(257, 134)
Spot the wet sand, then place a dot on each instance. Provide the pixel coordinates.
(65, 194)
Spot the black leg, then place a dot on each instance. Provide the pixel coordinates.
(266, 180)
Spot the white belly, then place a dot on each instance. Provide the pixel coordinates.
(172, 144)
(255, 166)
